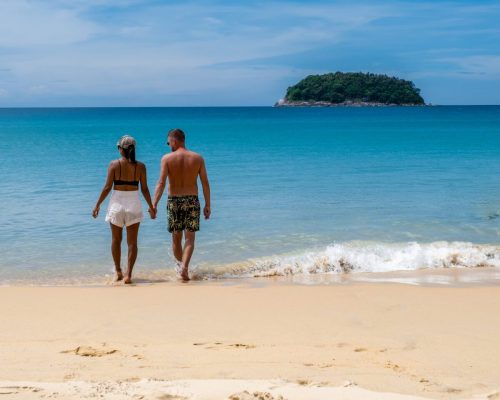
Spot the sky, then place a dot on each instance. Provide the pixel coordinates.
(239, 53)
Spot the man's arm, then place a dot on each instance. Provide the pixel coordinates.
(162, 180)
(206, 189)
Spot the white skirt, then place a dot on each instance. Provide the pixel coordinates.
(124, 208)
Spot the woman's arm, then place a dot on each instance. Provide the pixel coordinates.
(145, 191)
(106, 189)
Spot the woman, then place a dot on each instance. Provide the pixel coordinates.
(125, 207)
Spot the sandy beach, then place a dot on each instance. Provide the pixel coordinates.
(211, 340)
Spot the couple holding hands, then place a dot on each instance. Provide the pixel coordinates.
(182, 168)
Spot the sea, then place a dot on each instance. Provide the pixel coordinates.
(298, 193)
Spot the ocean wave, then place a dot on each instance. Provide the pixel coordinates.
(331, 262)
(352, 257)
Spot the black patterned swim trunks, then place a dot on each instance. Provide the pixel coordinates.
(183, 213)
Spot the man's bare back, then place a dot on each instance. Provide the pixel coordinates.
(182, 168)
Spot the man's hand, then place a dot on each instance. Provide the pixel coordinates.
(206, 212)
(152, 212)
(95, 211)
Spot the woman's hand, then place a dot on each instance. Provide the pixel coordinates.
(152, 212)
(95, 211)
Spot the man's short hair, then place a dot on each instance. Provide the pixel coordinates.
(177, 134)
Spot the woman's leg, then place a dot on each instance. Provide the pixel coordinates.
(132, 233)
(116, 249)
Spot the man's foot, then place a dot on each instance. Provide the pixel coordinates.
(119, 276)
(184, 275)
(127, 280)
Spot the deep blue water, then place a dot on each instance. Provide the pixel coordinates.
(284, 180)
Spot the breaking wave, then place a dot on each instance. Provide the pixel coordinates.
(352, 257)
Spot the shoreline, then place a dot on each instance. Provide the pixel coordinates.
(349, 103)
(430, 342)
(425, 277)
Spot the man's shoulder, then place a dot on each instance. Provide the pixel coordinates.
(195, 155)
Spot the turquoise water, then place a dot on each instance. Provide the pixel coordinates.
(299, 190)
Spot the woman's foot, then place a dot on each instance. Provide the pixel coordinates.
(119, 275)
(178, 266)
(128, 276)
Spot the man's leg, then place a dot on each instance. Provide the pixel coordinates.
(177, 245)
(116, 249)
(132, 233)
(187, 253)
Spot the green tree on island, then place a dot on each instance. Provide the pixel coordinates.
(342, 87)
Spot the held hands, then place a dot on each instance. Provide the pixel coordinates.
(95, 211)
(152, 212)
(207, 212)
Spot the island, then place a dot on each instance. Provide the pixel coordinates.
(356, 89)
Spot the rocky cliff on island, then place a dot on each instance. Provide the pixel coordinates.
(351, 90)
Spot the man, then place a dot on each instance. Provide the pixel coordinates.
(182, 168)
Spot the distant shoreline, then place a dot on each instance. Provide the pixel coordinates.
(285, 103)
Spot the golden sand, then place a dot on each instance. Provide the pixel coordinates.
(207, 340)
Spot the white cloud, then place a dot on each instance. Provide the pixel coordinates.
(136, 48)
(160, 43)
(476, 66)
(24, 23)
(38, 89)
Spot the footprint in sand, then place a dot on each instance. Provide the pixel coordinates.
(321, 365)
(254, 396)
(494, 396)
(242, 346)
(218, 344)
(451, 390)
(360, 349)
(88, 351)
(171, 397)
(18, 389)
(394, 367)
(410, 346)
(408, 373)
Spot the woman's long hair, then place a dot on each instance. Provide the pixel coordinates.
(129, 153)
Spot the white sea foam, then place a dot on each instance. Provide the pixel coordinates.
(332, 262)
(352, 257)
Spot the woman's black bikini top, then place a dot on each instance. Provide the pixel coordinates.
(119, 182)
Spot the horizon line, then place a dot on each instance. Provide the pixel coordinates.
(248, 106)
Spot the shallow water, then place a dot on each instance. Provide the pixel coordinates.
(295, 191)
